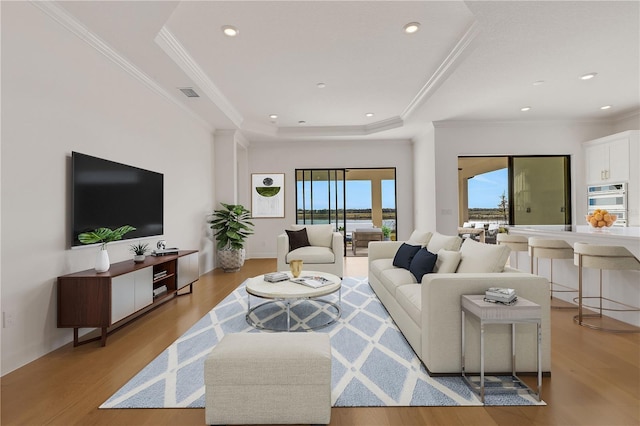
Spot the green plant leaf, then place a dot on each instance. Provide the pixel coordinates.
(231, 225)
(104, 235)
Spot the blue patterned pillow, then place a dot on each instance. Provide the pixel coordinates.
(422, 263)
(404, 255)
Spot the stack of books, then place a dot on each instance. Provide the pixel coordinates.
(159, 275)
(159, 291)
(275, 277)
(506, 296)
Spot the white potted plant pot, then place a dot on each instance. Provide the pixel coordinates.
(102, 260)
(231, 260)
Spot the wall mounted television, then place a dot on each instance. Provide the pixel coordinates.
(109, 194)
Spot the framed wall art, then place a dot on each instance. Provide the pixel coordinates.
(267, 195)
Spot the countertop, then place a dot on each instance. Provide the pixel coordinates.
(614, 231)
(628, 237)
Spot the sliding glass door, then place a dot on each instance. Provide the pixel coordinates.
(534, 190)
(347, 198)
(320, 197)
(540, 193)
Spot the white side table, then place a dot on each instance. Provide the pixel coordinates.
(523, 311)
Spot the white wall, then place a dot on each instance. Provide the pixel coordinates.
(59, 95)
(424, 179)
(285, 157)
(453, 139)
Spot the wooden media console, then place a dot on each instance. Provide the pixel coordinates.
(127, 290)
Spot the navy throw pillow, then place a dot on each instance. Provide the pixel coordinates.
(422, 263)
(404, 255)
(298, 239)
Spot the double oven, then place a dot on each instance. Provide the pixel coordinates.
(611, 197)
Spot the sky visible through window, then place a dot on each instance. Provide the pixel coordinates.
(485, 189)
(358, 195)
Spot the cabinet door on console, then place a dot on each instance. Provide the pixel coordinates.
(122, 297)
(188, 269)
(144, 288)
(130, 293)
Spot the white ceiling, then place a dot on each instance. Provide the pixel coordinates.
(469, 61)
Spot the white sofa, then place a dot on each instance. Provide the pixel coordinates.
(325, 252)
(428, 313)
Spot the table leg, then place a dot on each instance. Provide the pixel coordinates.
(482, 361)
(513, 349)
(539, 326)
(462, 360)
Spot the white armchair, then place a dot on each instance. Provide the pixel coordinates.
(325, 252)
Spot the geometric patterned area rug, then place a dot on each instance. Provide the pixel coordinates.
(372, 365)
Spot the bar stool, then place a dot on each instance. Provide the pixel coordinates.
(602, 257)
(551, 249)
(514, 242)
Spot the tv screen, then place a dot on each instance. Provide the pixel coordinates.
(107, 194)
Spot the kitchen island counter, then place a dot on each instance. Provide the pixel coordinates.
(617, 285)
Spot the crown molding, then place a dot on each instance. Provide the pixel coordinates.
(515, 123)
(626, 115)
(69, 22)
(337, 131)
(176, 51)
(445, 69)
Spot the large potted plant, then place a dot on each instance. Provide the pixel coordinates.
(232, 227)
(104, 236)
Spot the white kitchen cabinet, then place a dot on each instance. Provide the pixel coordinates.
(615, 159)
(607, 161)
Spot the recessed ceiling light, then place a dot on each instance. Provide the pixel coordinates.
(369, 114)
(538, 82)
(588, 76)
(302, 122)
(524, 109)
(230, 31)
(321, 85)
(411, 27)
(273, 116)
(606, 107)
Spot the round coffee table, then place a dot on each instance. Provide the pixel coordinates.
(288, 293)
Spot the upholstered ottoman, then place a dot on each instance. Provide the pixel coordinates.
(274, 378)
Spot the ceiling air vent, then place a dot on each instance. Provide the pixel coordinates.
(189, 92)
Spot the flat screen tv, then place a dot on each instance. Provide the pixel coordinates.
(109, 194)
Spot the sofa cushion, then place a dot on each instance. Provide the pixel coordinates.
(393, 278)
(404, 255)
(409, 297)
(312, 254)
(422, 263)
(377, 266)
(439, 241)
(319, 235)
(419, 238)
(298, 239)
(479, 257)
(447, 261)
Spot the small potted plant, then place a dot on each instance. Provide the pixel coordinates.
(232, 226)
(139, 251)
(104, 236)
(386, 232)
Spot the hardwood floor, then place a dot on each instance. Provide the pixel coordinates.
(595, 376)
